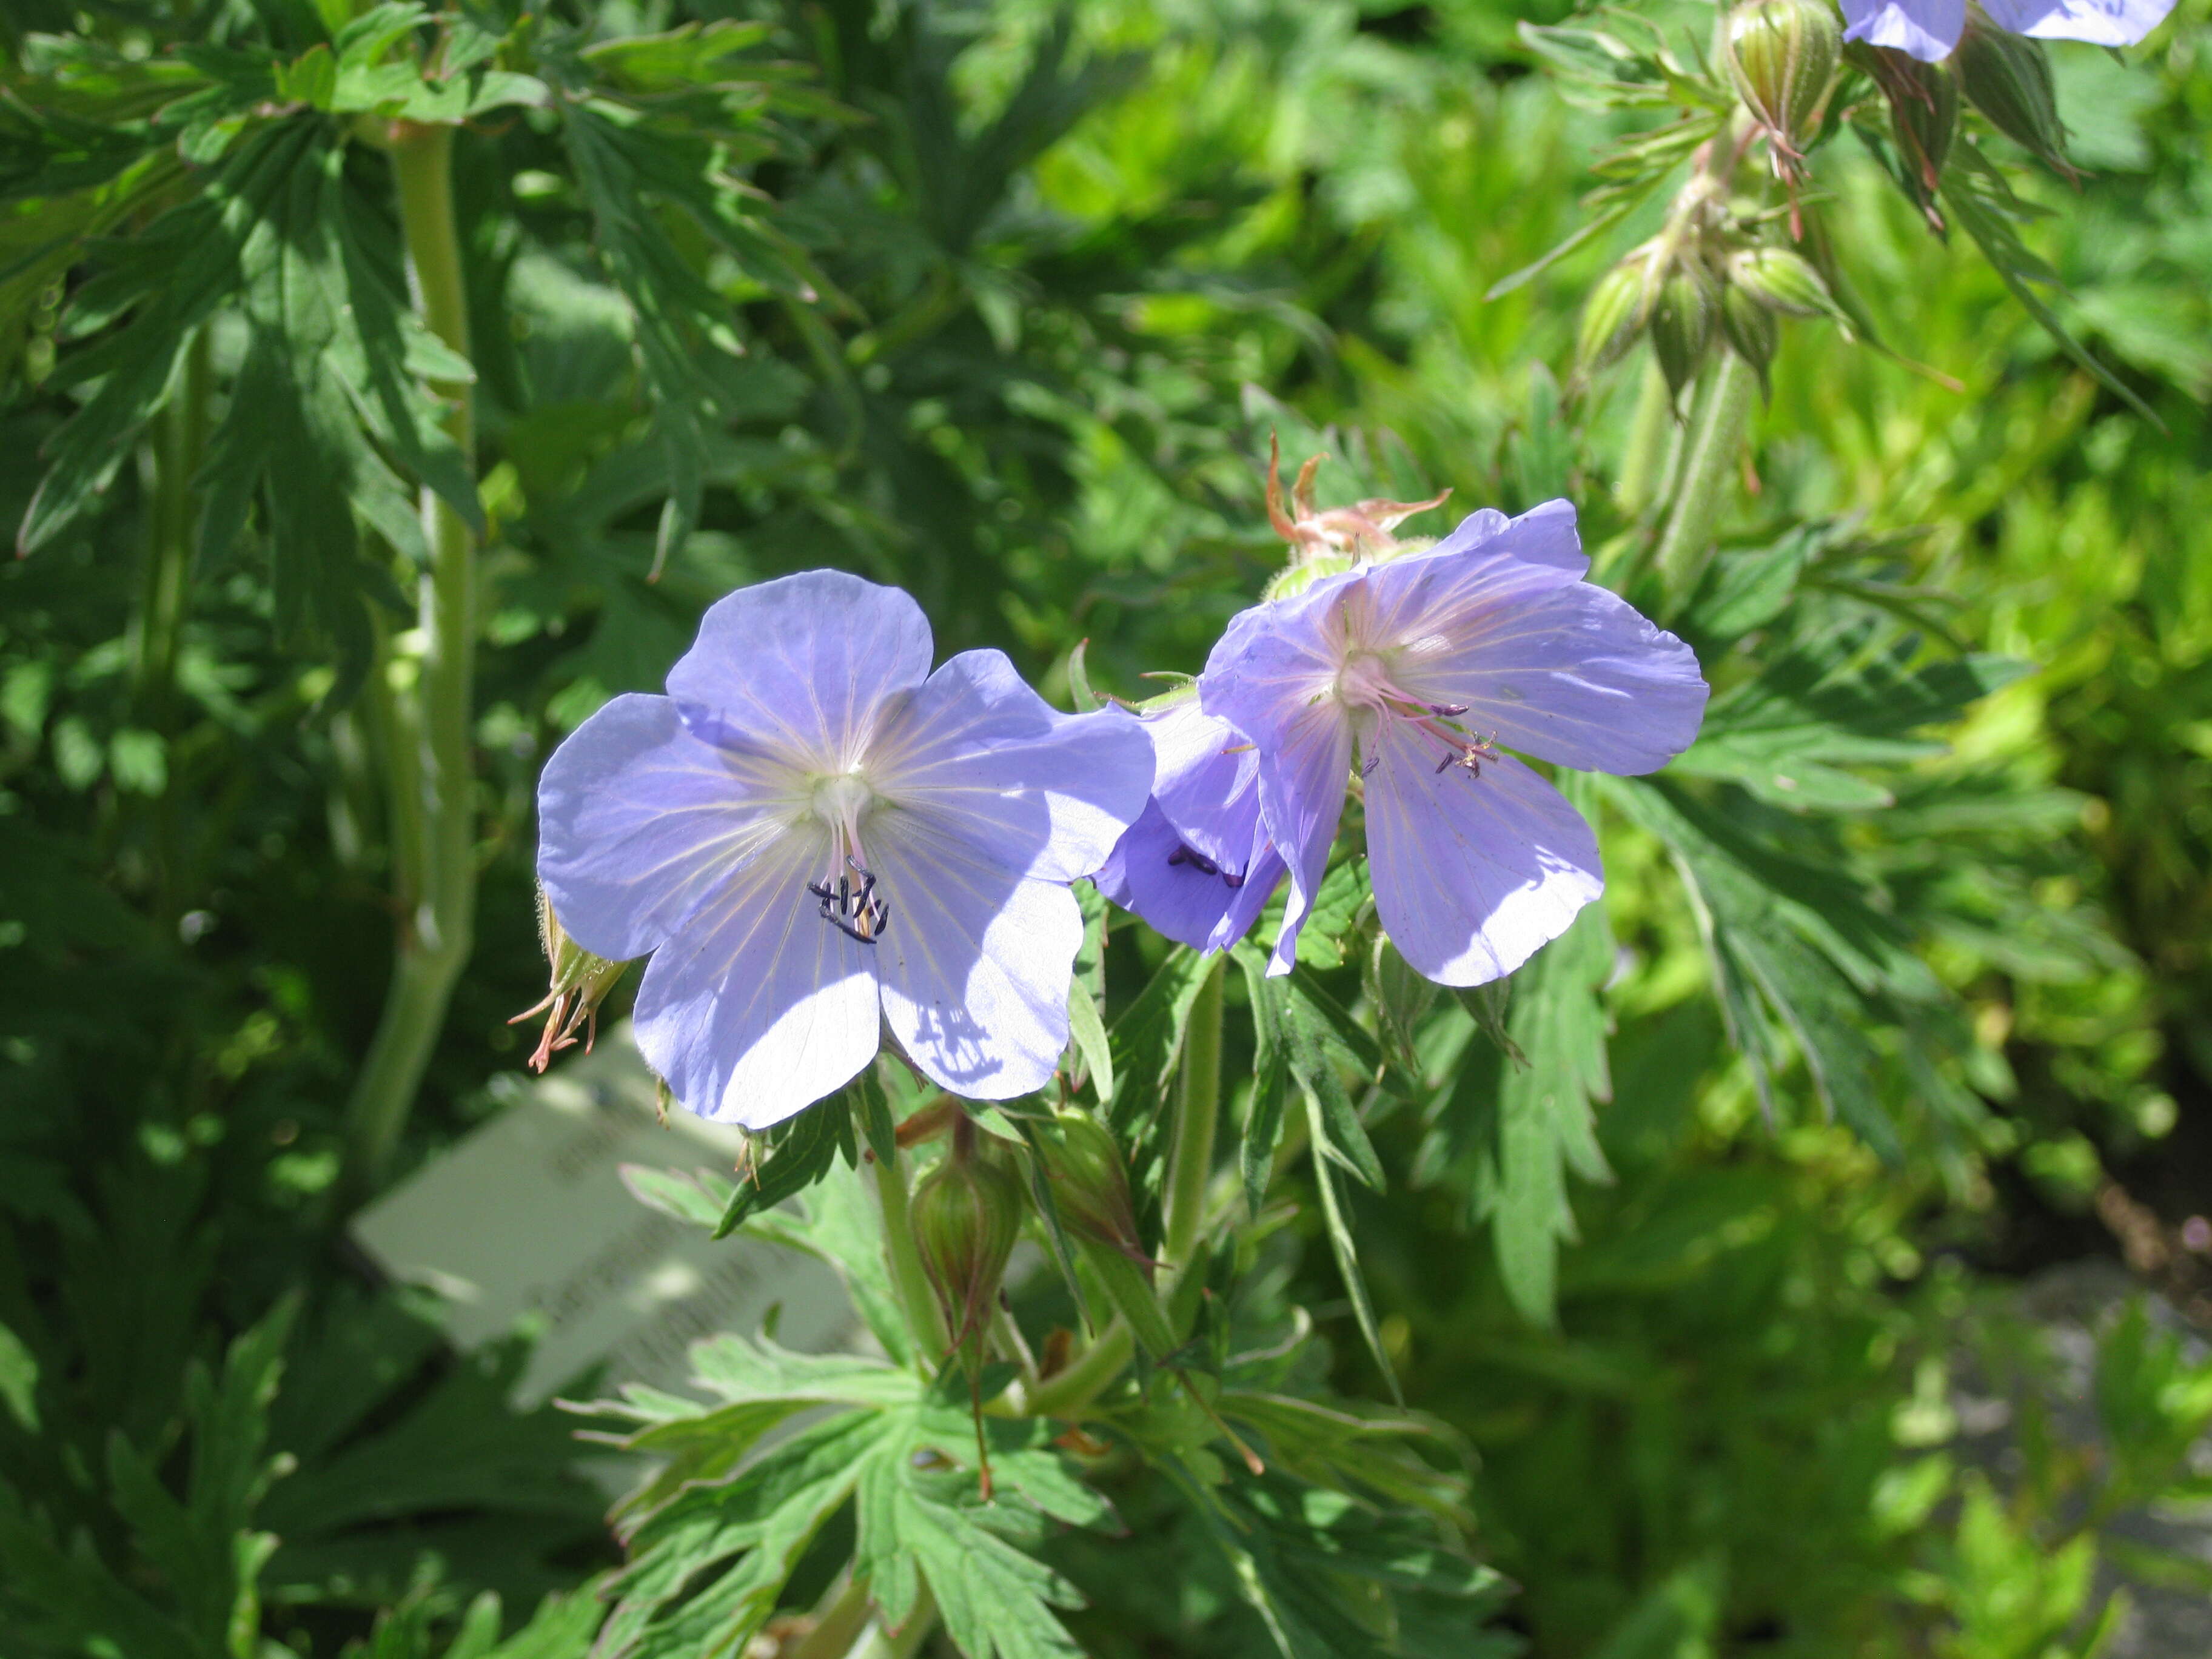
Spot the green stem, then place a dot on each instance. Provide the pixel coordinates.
(1067, 1393)
(1197, 1114)
(838, 1626)
(924, 1321)
(1652, 435)
(440, 909)
(1716, 441)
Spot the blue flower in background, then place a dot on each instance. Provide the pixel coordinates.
(815, 835)
(1198, 865)
(1929, 29)
(1420, 667)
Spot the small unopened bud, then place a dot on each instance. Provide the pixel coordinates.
(967, 1213)
(1682, 320)
(1612, 314)
(1781, 55)
(1090, 1185)
(2007, 77)
(1781, 281)
(1751, 330)
(579, 983)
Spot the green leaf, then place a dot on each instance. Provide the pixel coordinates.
(789, 1159)
(1088, 1032)
(19, 1381)
(1270, 1073)
(1145, 1043)
(1345, 1251)
(1345, 895)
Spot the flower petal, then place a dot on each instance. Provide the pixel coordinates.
(1472, 874)
(802, 666)
(2101, 22)
(1577, 676)
(638, 822)
(1176, 896)
(757, 1006)
(1268, 677)
(1047, 794)
(1928, 29)
(976, 960)
(1205, 782)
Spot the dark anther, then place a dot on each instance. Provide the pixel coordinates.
(857, 914)
(1448, 710)
(1198, 861)
(1367, 770)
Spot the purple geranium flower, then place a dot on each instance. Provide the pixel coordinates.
(814, 835)
(1420, 665)
(1929, 29)
(1198, 865)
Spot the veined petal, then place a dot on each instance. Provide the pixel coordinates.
(638, 822)
(1472, 874)
(2100, 22)
(975, 962)
(1269, 675)
(803, 666)
(1039, 792)
(1577, 676)
(1206, 782)
(757, 1006)
(1926, 30)
(1152, 874)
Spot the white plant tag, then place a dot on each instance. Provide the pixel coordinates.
(527, 1225)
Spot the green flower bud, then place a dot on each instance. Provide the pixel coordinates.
(1616, 309)
(1751, 330)
(967, 1213)
(1090, 1185)
(1682, 319)
(1781, 55)
(1781, 281)
(579, 981)
(2007, 77)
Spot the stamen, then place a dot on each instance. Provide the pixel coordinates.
(1206, 867)
(857, 913)
(1448, 710)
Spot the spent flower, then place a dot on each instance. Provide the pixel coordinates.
(815, 838)
(1408, 679)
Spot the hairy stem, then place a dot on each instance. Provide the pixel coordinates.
(924, 1324)
(1715, 440)
(1065, 1393)
(440, 910)
(1197, 1113)
(1652, 437)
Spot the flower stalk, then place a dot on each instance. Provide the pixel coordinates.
(1716, 435)
(432, 779)
(908, 1277)
(1197, 1114)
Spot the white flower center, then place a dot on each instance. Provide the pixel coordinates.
(1364, 682)
(843, 801)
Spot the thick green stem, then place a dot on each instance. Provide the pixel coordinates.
(1065, 1393)
(838, 1625)
(1717, 436)
(1197, 1114)
(1652, 436)
(440, 907)
(924, 1321)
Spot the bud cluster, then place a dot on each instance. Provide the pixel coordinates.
(1781, 56)
(1690, 287)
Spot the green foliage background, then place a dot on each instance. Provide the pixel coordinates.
(1020, 294)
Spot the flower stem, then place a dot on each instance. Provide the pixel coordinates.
(924, 1322)
(1065, 1393)
(1716, 439)
(440, 907)
(1652, 438)
(1197, 1113)
(838, 1625)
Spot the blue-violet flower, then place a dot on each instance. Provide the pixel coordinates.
(1929, 29)
(1197, 863)
(815, 835)
(1421, 667)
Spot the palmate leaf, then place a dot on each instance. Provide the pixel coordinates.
(1828, 704)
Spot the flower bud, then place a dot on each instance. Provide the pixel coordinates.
(579, 981)
(967, 1213)
(1616, 310)
(1781, 55)
(1090, 1185)
(1780, 280)
(2007, 77)
(1682, 318)
(1751, 330)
